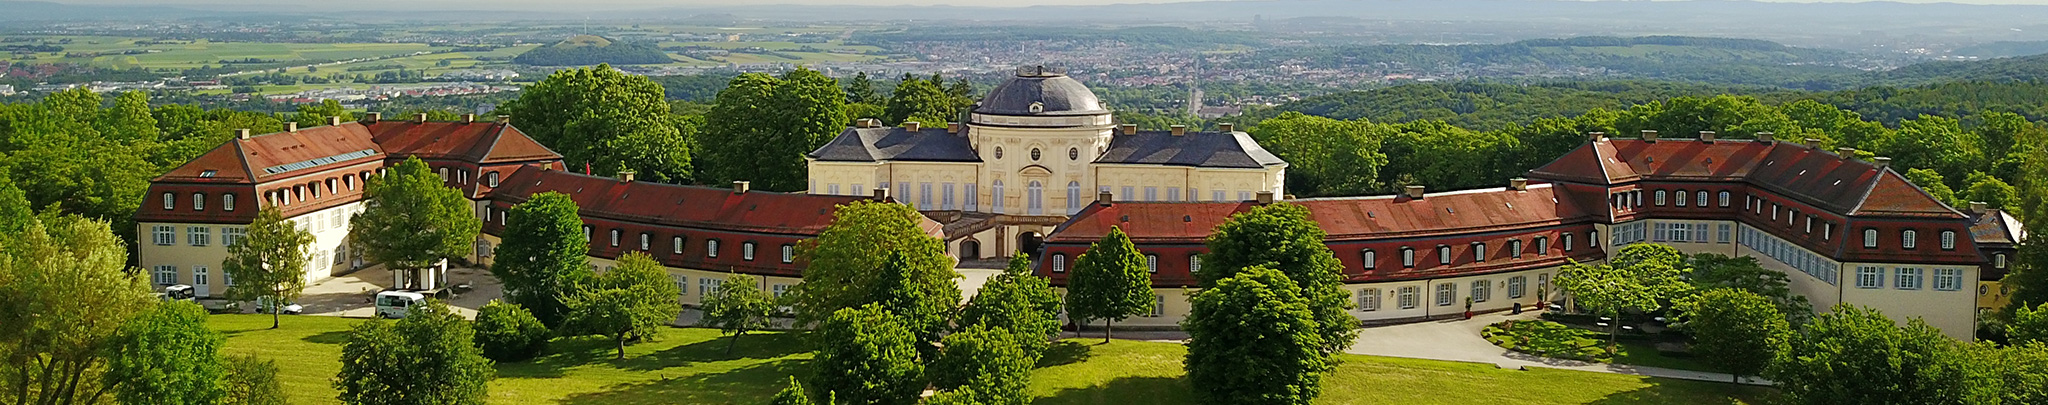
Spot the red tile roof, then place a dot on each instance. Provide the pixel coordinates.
(280, 155)
(1350, 218)
(1997, 227)
(674, 205)
(479, 142)
(1824, 179)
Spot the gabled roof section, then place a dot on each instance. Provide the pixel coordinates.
(1348, 218)
(897, 144)
(479, 142)
(1148, 222)
(1592, 163)
(1997, 227)
(1234, 150)
(279, 155)
(1824, 179)
(1893, 195)
(674, 205)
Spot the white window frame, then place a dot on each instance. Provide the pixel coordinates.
(1443, 255)
(1660, 198)
(1948, 240)
(788, 253)
(646, 241)
(1446, 294)
(1725, 197)
(1478, 252)
(1868, 277)
(170, 201)
(711, 248)
(1407, 299)
(747, 251)
(1151, 263)
(1368, 259)
(1195, 263)
(1701, 199)
(1369, 300)
(1948, 279)
(199, 235)
(164, 235)
(1059, 262)
(1407, 257)
(1482, 290)
(1870, 238)
(1909, 239)
(1517, 286)
(1909, 278)
(677, 243)
(165, 275)
(615, 237)
(1683, 198)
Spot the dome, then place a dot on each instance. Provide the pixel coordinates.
(1040, 91)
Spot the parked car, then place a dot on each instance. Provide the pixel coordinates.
(178, 292)
(396, 304)
(263, 307)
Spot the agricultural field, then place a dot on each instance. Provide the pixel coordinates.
(121, 52)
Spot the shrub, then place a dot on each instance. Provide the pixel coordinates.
(508, 332)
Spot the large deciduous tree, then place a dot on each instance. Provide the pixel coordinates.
(916, 99)
(633, 300)
(426, 358)
(606, 118)
(1736, 331)
(269, 261)
(65, 292)
(866, 356)
(1109, 282)
(1282, 237)
(762, 126)
(413, 219)
(842, 260)
(1853, 355)
(1254, 340)
(543, 255)
(1018, 302)
(1638, 278)
(989, 362)
(168, 356)
(739, 306)
(508, 332)
(1713, 270)
(1324, 156)
(252, 381)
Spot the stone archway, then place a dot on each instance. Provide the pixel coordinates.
(1028, 242)
(970, 250)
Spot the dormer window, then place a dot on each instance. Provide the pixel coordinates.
(1909, 239)
(208, 173)
(1948, 240)
(170, 201)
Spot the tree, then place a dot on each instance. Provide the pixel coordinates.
(898, 291)
(770, 125)
(1933, 142)
(1713, 270)
(426, 358)
(252, 381)
(1639, 278)
(1282, 237)
(1109, 282)
(507, 332)
(65, 293)
(1989, 190)
(866, 356)
(167, 356)
(1018, 302)
(990, 362)
(918, 98)
(634, 300)
(734, 122)
(269, 262)
(2022, 370)
(1854, 355)
(1932, 182)
(737, 307)
(791, 395)
(413, 219)
(2028, 325)
(1253, 339)
(606, 118)
(543, 255)
(1736, 331)
(1324, 156)
(861, 89)
(863, 234)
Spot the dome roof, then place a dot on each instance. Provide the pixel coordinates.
(1040, 91)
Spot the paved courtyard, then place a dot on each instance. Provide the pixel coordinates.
(1459, 340)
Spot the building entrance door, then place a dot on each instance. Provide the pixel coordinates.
(202, 283)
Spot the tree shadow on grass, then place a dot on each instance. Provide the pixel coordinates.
(334, 337)
(1064, 352)
(1126, 390)
(747, 385)
(751, 346)
(1665, 391)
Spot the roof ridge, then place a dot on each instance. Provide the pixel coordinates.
(242, 155)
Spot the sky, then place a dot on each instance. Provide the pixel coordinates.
(674, 3)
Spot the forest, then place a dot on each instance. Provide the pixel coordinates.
(585, 50)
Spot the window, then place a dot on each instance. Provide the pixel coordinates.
(747, 251)
(706, 286)
(711, 248)
(1514, 248)
(1809, 224)
(198, 201)
(1703, 199)
(1662, 233)
(1151, 194)
(996, 204)
(646, 240)
(1998, 260)
(1034, 196)
(973, 200)
(199, 235)
(1478, 252)
(924, 195)
(1073, 153)
(1543, 245)
(1869, 238)
(1827, 231)
(1909, 239)
(682, 283)
(677, 244)
(615, 237)
(491, 179)
(586, 234)
(1948, 240)
(230, 235)
(1481, 290)
(1369, 300)
(1725, 233)
(1660, 198)
(1682, 198)
(165, 275)
(1516, 286)
(1158, 300)
(164, 235)
(1194, 264)
(1567, 242)
(1908, 279)
(999, 152)
(1724, 199)
(1368, 259)
(1059, 263)
(1034, 154)
(1408, 257)
(781, 290)
(1074, 199)
(832, 189)
(1407, 298)
(170, 201)
(1948, 279)
(1443, 254)
(1446, 293)
(1869, 277)
(1151, 263)
(788, 253)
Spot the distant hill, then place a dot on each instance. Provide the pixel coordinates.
(1487, 106)
(2025, 68)
(583, 50)
(1710, 60)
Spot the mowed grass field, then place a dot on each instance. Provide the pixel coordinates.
(690, 366)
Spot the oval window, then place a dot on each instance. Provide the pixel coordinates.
(999, 152)
(1073, 153)
(1034, 154)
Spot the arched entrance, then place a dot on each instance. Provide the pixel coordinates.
(1028, 242)
(970, 250)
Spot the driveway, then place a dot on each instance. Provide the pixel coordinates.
(1459, 340)
(354, 294)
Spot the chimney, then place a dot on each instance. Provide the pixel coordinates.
(1180, 130)
(291, 126)
(626, 176)
(881, 193)
(1226, 127)
(910, 126)
(504, 119)
(1979, 207)
(1707, 136)
(1130, 129)
(1265, 197)
(1415, 192)
(1846, 152)
(1813, 143)
(1765, 137)
(952, 127)
(1102, 198)
(242, 133)
(1881, 162)
(420, 118)
(469, 118)
(741, 186)
(1596, 136)
(373, 117)
(1650, 135)
(333, 120)
(1518, 184)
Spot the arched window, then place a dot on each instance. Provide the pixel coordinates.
(1368, 259)
(1869, 237)
(1407, 257)
(1702, 202)
(1059, 263)
(492, 178)
(1194, 263)
(348, 180)
(1682, 198)
(1948, 240)
(615, 237)
(198, 201)
(1074, 197)
(1034, 198)
(1660, 198)
(746, 250)
(788, 253)
(711, 248)
(1478, 251)
(1443, 254)
(1151, 263)
(646, 240)
(330, 186)
(444, 174)
(677, 243)
(1567, 242)
(1909, 239)
(1514, 248)
(996, 206)
(1543, 245)
(1725, 196)
(586, 234)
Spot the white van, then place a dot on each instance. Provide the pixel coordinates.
(396, 304)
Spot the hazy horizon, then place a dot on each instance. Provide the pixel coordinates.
(983, 3)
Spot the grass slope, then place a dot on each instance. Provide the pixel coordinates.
(689, 366)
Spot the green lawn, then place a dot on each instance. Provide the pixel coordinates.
(689, 366)
(1552, 339)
